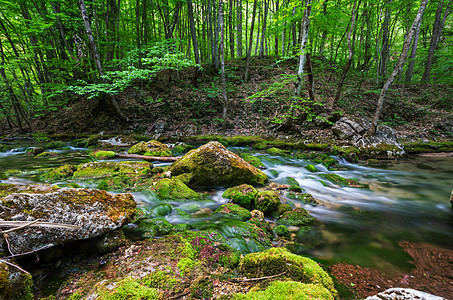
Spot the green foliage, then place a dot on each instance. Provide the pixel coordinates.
(130, 289)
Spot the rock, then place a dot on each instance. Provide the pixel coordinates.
(213, 165)
(61, 172)
(383, 144)
(403, 294)
(296, 217)
(15, 284)
(173, 189)
(151, 148)
(257, 214)
(236, 210)
(35, 151)
(267, 202)
(118, 141)
(243, 195)
(96, 212)
(278, 260)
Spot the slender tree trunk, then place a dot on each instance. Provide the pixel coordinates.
(304, 36)
(263, 33)
(97, 60)
(311, 81)
(384, 53)
(435, 36)
(193, 33)
(276, 34)
(239, 27)
(294, 35)
(410, 67)
(351, 54)
(398, 67)
(249, 50)
(230, 28)
(222, 64)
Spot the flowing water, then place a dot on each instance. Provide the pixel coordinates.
(407, 200)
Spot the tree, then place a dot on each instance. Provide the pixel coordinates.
(304, 36)
(222, 63)
(398, 67)
(249, 48)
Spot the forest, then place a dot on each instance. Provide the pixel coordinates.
(230, 149)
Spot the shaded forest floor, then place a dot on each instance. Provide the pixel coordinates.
(171, 105)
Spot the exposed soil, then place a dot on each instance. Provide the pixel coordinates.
(432, 273)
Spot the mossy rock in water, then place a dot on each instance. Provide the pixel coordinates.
(151, 148)
(253, 160)
(35, 151)
(279, 260)
(296, 217)
(350, 153)
(103, 154)
(277, 151)
(107, 168)
(337, 179)
(260, 146)
(245, 236)
(92, 140)
(233, 209)
(267, 202)
(304, 197)
(55, 145)
(181, 148)
(293, 185)
(173, 189)
(46, 154)
(282, 208)
(319, 158)
(12, 172)
(62, 172)
(243, 195)
(149, 228)
(213, 165)
(311, 168)
(281, 230)
(15, 284)
(288, 290)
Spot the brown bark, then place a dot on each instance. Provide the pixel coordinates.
(249, 50)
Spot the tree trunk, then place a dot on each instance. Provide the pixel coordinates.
(230, 29)
(239, 28)
(410, 67)
(193, 33)
(222, 64)
(304, 35)
(398, 67)
(276, 34)
(311, 81)
(436, 34)
(97, 60)
(263, 33)
(384, 53)
(249, 50)
(351, 54)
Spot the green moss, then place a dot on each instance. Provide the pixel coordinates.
(274, 173)
(243, 195)
(12, 172)
(160, 280)
(151, 148)
(92, 140)
(432, 146)
(260, 146)
(337, 179)
(55, 145)
(15, 286)
(202, 288)
(278, 260)
(304, 197)
(107, 168)
(276, 151)
(281, 230)
(319, 158)
(173, 189)
(311, 168)
(282, 208)
(289, 290)
(149, 228)
(59, 173)
(103, 154)
(130, 289)
(185, 265)
(267, 202)
(296, 217)
(253, 160)
(46, 154)
(295, 188)
(233, 209)
(35, 151)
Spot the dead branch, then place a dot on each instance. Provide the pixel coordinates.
(13, 265)
(24, 224)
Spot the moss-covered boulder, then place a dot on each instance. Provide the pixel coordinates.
(276, 151)
(55, 145)
(311, 168)
(103, 154)
(213, 165)
(35, 151)
(281, 230)
(303, 197)
(95, 212)
(243, 195)
(151, 148)
(296, 217)
(62, 172)
(46, 154)
(15, 284)
(267, 202)
(235, 210)
(279, 260)
(102, 169)
(288, 290)
(246, 236)
(173, 189)
(253, 160)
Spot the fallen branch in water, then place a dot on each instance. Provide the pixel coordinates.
(256, 279)
(148, 158)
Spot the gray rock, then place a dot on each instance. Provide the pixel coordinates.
(96, 212)
(403, 294)
(350, 129)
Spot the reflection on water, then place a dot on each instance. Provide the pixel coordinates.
(406, 201)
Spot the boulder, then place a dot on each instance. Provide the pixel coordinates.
(213, 165)
(151, 148)
(243, 195)
(297, 217)
(173, 189)
(403, 294)
(267, 202)
(118, 141)
(96, 212)
(383, 144)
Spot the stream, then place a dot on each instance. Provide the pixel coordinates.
(407, 200)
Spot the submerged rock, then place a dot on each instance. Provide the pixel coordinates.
(243, 195)
(403, 294)
(235, 210)
(96, 212)
(173, 189)
(151, 148)
(297, 217)
(213, 165)
(267, 202)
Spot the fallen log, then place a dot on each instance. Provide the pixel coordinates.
(148, 158)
